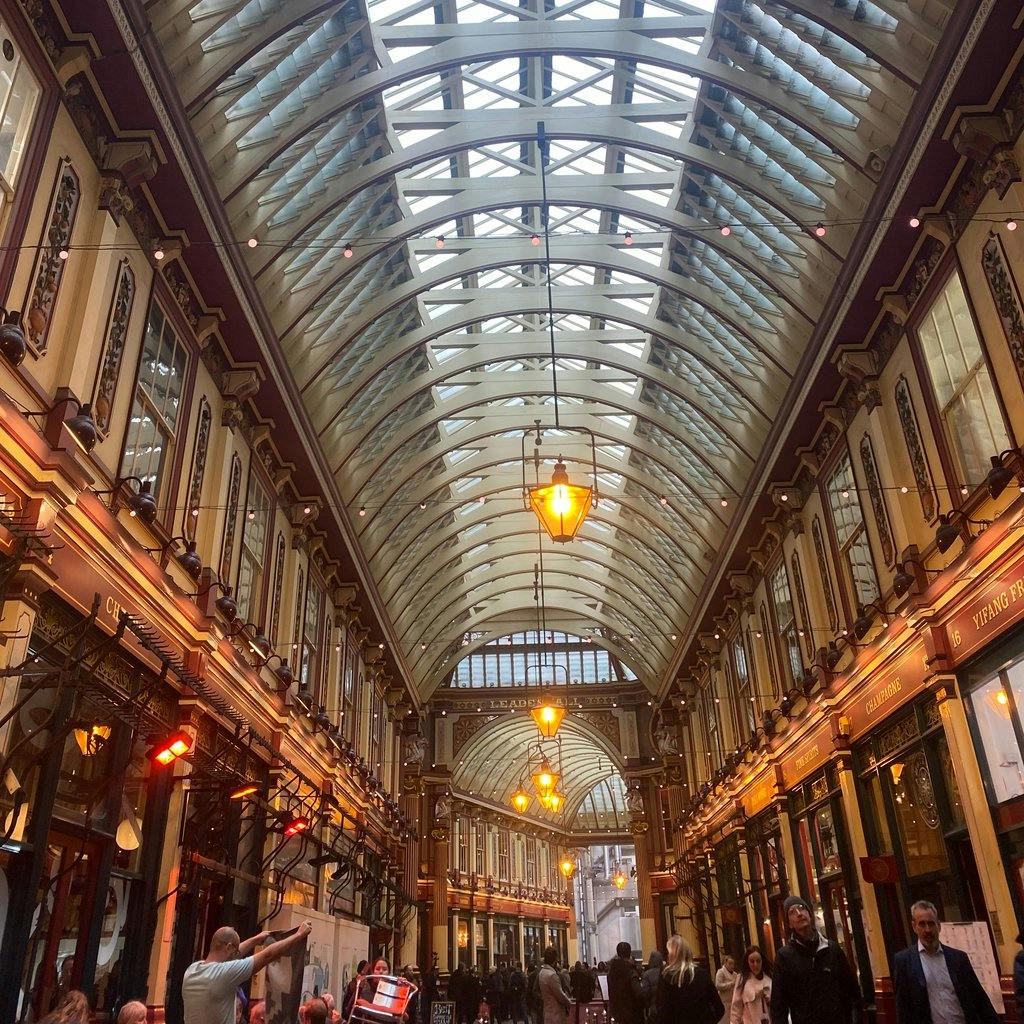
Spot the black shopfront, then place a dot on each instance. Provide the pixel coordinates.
(85, 816)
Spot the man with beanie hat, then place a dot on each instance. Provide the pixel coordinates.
(813, 982)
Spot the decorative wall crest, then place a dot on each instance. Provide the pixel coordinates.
(49, 267)
(867, 458)
(915, 449)
(121, 304)
(195, 487)
(231, 520)
(1006, 298)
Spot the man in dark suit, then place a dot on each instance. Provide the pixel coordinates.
(936, 984)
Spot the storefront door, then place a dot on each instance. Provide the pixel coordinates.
(65, 905)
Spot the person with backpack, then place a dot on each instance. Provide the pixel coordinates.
(625, 999)
(649, 985)
(534, 1004)
(555, 1003)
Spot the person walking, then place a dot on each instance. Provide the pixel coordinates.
(685, 989)
(555, 1003)
(725, 982)
(936, 984)
(625, 997)
(517, 995)
(431, 991)
(649, 985)
(208, 986)
(752, 992)
(813, 982)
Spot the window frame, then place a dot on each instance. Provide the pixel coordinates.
(265, 569)
(843, 570)
(949, 460)
(786, 637)
(173, 467)
(15, 222)
(747, 710)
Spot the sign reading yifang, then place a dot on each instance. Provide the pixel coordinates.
(997, 607)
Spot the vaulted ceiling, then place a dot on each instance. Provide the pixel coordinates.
(345, 138)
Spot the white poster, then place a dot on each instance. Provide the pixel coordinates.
(334, 947)
(974, 939)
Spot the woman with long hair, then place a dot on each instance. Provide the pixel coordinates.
(753, 993)
(73, 1009)
(685, 989)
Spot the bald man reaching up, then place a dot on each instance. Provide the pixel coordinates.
(208, 988)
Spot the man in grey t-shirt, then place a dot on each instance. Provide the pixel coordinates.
(208, 987)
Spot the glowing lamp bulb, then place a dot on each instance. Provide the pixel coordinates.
(172, 748)
(520, 800)
(567, 867)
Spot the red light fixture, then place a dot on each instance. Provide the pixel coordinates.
(175, 746)
(295, 825)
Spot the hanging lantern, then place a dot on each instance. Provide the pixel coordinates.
(545, 778)
(567, 866)
(619, 879)
(561, 506)
(548, 717)
(553, 801)
(92, 738)
(521, 800)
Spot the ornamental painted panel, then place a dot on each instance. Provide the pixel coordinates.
(867, 460)
(230, 523)
(801, 601)
(915, 449)
(49, 269)
(300, 600)
(466, 727)
(826, 578)
(275, 608)
(195, 487)
(121, 305)
(1006, 296)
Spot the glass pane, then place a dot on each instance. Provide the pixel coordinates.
(879, 821)
(917, 815)
(862, 569)
(999, 743)
(975, 426)
(956, 807)
(14, 130)
(828, 840)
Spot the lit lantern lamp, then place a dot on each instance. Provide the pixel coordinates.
(560, 505)
(548, 717)
(92, 738)
(567, 866)
(619, 879)
(545, 778)
(521, 800)
(553, 801)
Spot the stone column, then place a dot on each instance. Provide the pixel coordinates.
(987, 854)
(452, 941)
(521, 926)
(437, 920)
(409, 803)
(472, 936)
(641, 805)
(490, 940)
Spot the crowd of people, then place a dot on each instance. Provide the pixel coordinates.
(810, 982)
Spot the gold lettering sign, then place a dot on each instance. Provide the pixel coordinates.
(883, 696)
(806, 758)
(996, 608)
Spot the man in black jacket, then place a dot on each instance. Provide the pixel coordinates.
(936, 984)
(625, 998)
(813, 982)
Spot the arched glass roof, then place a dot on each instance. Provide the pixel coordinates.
(717, 133)
(604, 807)
(533, 658)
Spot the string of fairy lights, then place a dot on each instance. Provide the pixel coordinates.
(348, 248)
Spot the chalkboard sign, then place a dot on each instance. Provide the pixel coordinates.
(442, 1012)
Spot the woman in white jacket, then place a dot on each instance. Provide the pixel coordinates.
(753, 993)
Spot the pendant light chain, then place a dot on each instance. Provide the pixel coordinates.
(542, 147)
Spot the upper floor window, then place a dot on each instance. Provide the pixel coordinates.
(479, 839)
(504, 856)
(852, 537)
(746, 710)
(311, 634)
(964, 392)
(462, 861)
(348, 689)
(531, 861)
(785, 622)
(19, 98)
(152, 428)
(255, 531)
(709, 723)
